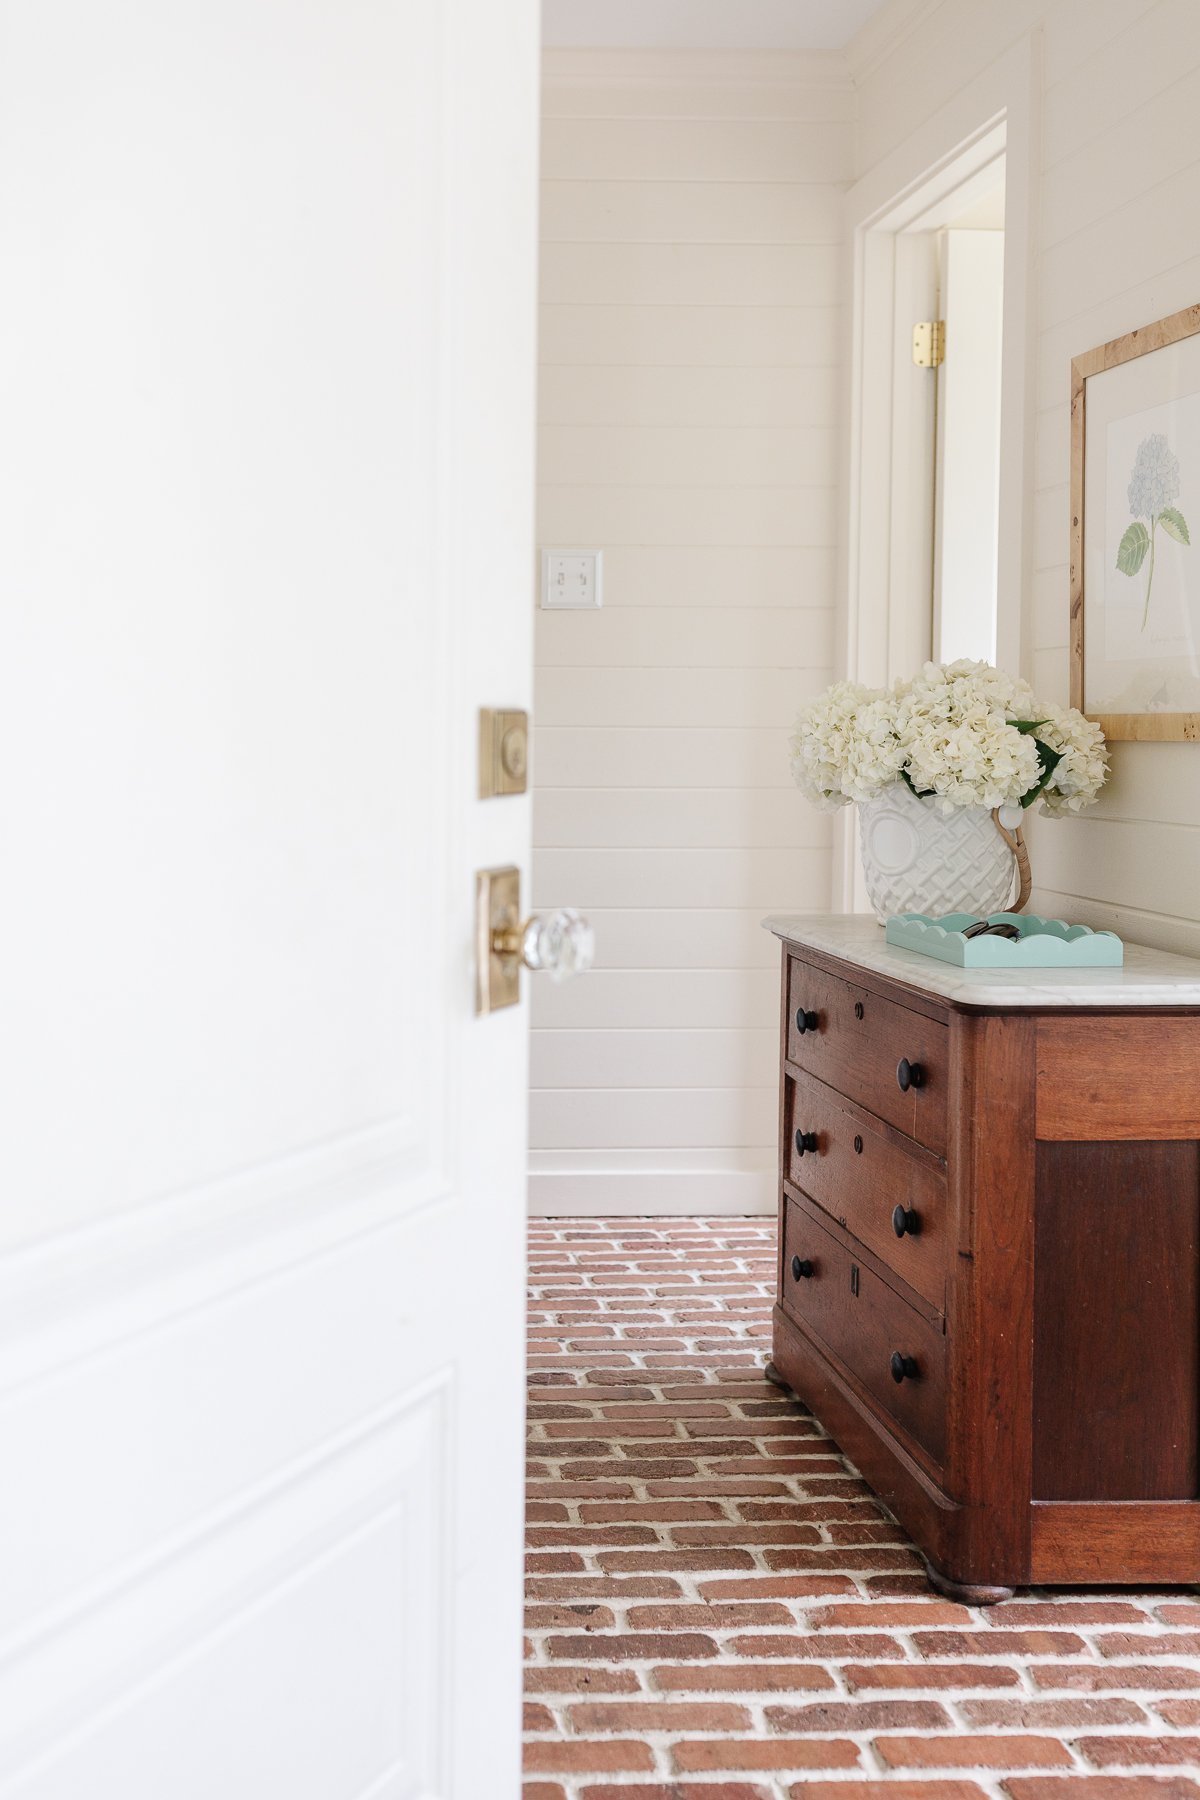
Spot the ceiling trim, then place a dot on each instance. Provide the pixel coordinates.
(759, 68)
(883, 34)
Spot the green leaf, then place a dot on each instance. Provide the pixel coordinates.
(1131, 552)
(1049, 760)
(921, 793)
(1174, 524)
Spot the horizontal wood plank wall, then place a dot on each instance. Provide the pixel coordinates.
(691, 262)
(1118, 164)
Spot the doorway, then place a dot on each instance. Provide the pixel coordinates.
(938, 448)
(965, 523)
(926, 486)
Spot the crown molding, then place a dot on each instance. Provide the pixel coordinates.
(884, 33)
(751, 68)
(879, 38)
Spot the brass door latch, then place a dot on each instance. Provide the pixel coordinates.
(562, 943)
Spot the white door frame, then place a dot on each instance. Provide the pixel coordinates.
(946, 162)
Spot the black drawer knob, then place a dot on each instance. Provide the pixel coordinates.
(805, 1140)
(801, 1268)
(904, 1219)
(909, 1075)
(904, 1368)
(805, 1021)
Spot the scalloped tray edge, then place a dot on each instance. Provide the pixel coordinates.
(1044, 943)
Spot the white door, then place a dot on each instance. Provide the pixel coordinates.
(266, 396)
(967, 478)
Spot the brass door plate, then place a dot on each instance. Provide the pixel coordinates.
(497, 909)
(503, 752)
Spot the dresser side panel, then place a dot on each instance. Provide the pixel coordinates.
(1101, 1077)
(1117, 1340)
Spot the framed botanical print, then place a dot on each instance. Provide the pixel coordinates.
(1135, 531)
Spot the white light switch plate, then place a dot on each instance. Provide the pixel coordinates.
(572, 579)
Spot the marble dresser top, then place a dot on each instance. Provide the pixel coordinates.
(1149, 977)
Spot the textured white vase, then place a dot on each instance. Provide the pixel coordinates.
(917, 859)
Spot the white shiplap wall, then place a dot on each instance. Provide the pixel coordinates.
(689, 401)
(1117, 233)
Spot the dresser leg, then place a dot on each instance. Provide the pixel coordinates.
(772, 1374)
(966, 1592)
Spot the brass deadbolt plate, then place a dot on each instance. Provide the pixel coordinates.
(503, 753)
(497, 910)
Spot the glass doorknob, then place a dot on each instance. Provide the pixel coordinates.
(562, 943)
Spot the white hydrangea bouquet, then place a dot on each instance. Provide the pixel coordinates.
(941, 767)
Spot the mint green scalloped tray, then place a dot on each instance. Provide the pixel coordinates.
(1043, 944)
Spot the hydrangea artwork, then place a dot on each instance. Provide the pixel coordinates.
(1153, 487)
(1133, 577)
(961, 734)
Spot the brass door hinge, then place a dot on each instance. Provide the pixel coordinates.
(929, 343)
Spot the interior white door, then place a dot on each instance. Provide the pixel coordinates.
(967, 481)
(266, 403)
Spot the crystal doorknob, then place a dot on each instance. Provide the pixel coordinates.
(562, 943)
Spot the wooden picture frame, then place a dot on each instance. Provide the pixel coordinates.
(1150, 725)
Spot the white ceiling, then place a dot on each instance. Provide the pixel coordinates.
(704, 24)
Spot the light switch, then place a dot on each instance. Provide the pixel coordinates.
(571, 578)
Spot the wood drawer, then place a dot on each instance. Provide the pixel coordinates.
(865, 1323)
(862, 1175)
(854, 1041)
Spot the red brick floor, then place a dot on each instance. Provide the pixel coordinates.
(719, 1609)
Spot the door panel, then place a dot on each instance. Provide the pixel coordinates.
(266, 452)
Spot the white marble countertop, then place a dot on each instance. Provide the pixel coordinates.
(1149, 977)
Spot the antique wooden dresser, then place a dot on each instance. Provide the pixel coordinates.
(989, 1271)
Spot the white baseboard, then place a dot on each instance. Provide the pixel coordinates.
(604, 1184)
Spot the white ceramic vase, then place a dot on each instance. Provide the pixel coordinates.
(918, 859)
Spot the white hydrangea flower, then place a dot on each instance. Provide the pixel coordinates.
(874, 752)
(1155, 479)
(1081, 774)
(952, 732)
(822, 742)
